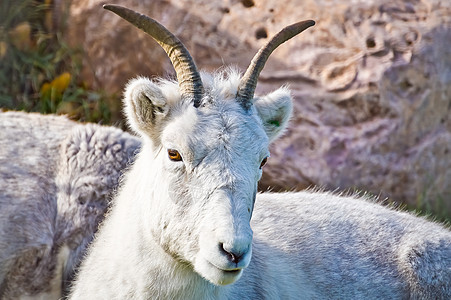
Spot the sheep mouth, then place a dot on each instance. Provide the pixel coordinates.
(232, 272)
(235, 272)
(227, 271)
(216, 273)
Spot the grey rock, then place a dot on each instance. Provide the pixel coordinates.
(371, 83)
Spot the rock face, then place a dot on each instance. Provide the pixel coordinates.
(371, 82)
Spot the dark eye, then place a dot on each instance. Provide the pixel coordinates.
(174, 155)
(263, 163)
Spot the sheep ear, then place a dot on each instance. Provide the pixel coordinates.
(145, 107)
(275, 110)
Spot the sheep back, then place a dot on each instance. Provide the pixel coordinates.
(56, 180)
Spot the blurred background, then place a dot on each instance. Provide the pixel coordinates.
(371, 81)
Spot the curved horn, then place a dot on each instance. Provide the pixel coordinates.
(188, 77)
(248, 82)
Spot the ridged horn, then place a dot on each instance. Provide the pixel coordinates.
(188, 77)
(248, 82)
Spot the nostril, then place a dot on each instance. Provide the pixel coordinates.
(234, 257)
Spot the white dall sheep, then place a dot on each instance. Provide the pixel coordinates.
(56, 180)
(180, 226)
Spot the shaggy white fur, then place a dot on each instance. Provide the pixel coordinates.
(56, 180)
(180, 226)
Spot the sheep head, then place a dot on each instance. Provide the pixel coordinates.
(206, 137)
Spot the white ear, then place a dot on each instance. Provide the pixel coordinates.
(145, 107)
(275, 110)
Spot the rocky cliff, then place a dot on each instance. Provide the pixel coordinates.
(371, 82)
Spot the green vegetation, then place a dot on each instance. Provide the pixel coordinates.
(436, 206)
(38, 70)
